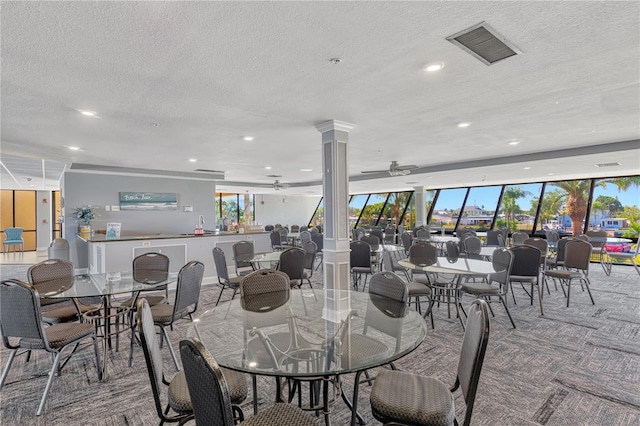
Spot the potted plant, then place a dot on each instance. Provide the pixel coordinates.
(84, 215)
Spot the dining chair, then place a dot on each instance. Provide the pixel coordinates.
(150, 268)
(502, 262)
(390, 235)
(176, 388)
(360, 260)
(517, 238)
(13, 238)
(526, 270)
(399, 397)
(222, 271)
(209, 390)
(184, 305)
(21, 326)
(374, 242)
(243, 252)
(472, 247)
(631, 256)
(598, 240)
(577, 258)
(379, 233)
(492, 237)
(423, 234)
(407, 241)
(542, 245)
(304, 237)
(295, 228)
(292, 264)
(319, 240)
(310, 250)
(50, 276)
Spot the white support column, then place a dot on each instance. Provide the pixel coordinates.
(420, 201)
(336, 250)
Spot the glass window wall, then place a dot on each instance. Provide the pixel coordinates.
(481, 207)
(518, 207)
(572, 197)
(372, 211)
(356, 204)
(447, 208)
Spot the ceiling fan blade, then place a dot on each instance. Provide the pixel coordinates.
(407, 167)
(376, 171)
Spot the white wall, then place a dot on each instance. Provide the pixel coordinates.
(284, 209)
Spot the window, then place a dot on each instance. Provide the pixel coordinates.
(356, 204)
(372, 211)
(481, 207)
(393, 209)
(518, 207)
(614, 206)
(447, 207)
(229, 207)
(18, 209)
(318, 216)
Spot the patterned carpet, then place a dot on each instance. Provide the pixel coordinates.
(574, 366)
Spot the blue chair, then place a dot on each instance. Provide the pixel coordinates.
(13, 237)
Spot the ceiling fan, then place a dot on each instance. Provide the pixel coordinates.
(395, 169)
(278, 186)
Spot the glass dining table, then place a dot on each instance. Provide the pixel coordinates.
(104, 286)
(299, 337)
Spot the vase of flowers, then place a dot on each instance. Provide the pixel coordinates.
(84, 215)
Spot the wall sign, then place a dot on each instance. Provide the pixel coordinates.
(148, 201)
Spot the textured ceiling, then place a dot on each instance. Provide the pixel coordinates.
(177, 80)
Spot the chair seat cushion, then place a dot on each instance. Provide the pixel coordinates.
(60, 335)
(180, 400)
(234, 282)
(563, 274)
(479, 288)
(411, 399)
(361, 349)
(418, 289)
(282, 414)
(58, 315)
(163, 314)
(523, 279)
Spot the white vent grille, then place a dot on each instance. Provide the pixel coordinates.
(608, 164)
(484, 43)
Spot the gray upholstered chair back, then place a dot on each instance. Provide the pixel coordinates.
(526, 261)
(358, 233)
(188, 288)
(220, 261)
(552, 236)
(276, 240)
(372, 240)
(268, 228)
(582, 237)
(304, 237)
(518, 238)
(474, 346)
(360, 255)
(406, 241)
(264, 281)
(51, 275)
(20, 316)
(492, 237)
(453, 250)
(501, 240)
(150, 268)
(310, 249)
(390, 234)
(562, 244)
(577, 255)
(243, 250)
(378, 233)
(423, 234)
(387, 262)
(207, 386)
(292, 263)
(472, 246)
(540, 243)
(304, 228)
(319, 240)
(502, 262)
(423, 254)
(295, 228)
(390, 285)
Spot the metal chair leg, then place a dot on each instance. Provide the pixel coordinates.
(52, 372)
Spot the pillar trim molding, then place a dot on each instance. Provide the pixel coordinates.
(328, 125)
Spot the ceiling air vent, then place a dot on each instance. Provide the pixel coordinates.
(608, 164)
(484, 43)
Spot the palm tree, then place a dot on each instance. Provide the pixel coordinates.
(576, 195)
(509, 205)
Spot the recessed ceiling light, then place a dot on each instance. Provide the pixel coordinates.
(88, 113)
(267, 167)
(248, 138)
(527, 168)
(306, 170)
(433, 67)
(551, 174)
(193, 160)
(74, 148)
(514, 142)
(465, 124)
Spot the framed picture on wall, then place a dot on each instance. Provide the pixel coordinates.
(148, 201)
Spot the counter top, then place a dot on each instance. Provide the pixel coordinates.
(102, 238)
